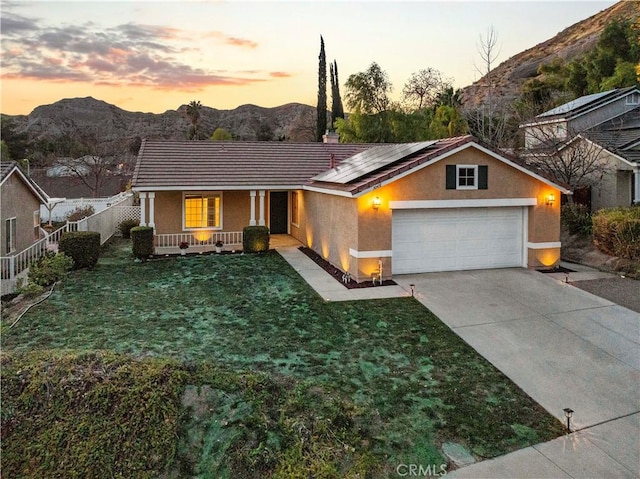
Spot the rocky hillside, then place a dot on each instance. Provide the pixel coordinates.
(91, 118)
(570, 43)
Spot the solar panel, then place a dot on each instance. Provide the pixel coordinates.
(572, 105)
(370, 160)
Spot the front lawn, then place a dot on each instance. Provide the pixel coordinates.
(402, 381)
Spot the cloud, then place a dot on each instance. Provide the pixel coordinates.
(129, 54)
(280, 74)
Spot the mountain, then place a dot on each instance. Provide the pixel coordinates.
(91, 118)
(510, 75)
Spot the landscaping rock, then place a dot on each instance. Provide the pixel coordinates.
(457, 454)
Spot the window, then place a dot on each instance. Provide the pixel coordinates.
(202, 210)
(467, 177)
(36, 225)
(633, 99)
(10, 235)
(295, 215)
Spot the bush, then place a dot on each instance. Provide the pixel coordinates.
(142, 241)
(616, 231)
(49, 269)
(80, 213)
(255, 239)
(125, 227)
(577, 219)
(82, 246)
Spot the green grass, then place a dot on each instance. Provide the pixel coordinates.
(401, 381)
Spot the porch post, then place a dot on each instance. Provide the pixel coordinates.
(636, 180)
(261, 220)
(143, 209)
(252, 220)
(152, 207)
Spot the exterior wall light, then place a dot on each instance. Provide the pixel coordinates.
(568, 413)
(551, 199)
(376, 203)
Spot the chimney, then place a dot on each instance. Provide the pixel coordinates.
(331, 137)
(332, 161)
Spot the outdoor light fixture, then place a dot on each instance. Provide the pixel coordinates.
(376, 203)
(413, 289)
(551, 199)
(568, 413)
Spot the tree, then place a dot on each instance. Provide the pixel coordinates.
(220, 134)
(321, 125)
(193, 112)
(576, 162)
(4, 151)
(483, 122)
(368, 91)
(337, 110)
(17, 143)
(423, 88)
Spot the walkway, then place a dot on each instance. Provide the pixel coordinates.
(326, 285)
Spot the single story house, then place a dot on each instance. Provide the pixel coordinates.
(20, 212)
(450, 204)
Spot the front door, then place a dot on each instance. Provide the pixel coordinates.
(278, 212)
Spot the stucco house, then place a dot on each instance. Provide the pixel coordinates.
(442, 205)
(604, 128)
(20, 209)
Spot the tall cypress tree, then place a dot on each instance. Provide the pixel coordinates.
(337, 110)
(322, 93)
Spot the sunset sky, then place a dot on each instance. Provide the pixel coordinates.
(153, 56)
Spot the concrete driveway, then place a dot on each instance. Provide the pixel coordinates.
(563, 346)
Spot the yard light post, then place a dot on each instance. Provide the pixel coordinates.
(568, 413)
(413, 289)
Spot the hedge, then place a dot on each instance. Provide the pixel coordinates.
(255, 239)
(125, 227)
(142, 242)
(616, 231)
(82, 246)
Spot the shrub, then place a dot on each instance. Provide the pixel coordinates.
(49, 269)
(82, 246)
(255, 239)
(142, 241)
(577, 219)
(79, 213)
(616, 231)
(125, 227)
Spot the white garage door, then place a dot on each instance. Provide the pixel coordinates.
(452, 239)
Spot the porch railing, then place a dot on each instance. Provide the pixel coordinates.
(12, 266)
(207, 240)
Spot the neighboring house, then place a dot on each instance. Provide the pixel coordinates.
(598, 133)
(441, 205)
(20, 209)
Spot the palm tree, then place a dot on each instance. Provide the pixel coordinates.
(193, 112)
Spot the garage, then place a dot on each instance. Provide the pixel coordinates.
(451, 239)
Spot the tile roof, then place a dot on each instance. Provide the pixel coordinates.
(234, 164)
(5, 168)
(620, 135)
(196, 165)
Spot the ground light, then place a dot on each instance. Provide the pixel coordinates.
(568, 413)
(413, 289)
